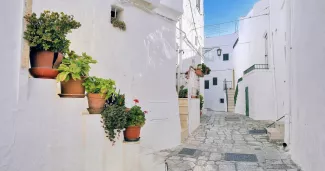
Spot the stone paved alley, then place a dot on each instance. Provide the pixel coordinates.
(213, 145)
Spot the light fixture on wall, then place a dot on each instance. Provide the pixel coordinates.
(219, 51)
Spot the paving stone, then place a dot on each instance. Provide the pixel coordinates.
(227, 167)
(211, 168)
(215, 137)
(201, 162)
(215, 156)
(189, 159)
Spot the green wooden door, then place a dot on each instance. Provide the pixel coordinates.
(247, 101)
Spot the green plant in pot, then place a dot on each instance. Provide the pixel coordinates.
(202, 70)
(98, 91)
(72, 72)
(183, 92)
(135, 120)
(114, 119)
(46, 36)
(201, 103)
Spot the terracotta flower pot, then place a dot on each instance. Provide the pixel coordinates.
(194, 97)
(44, 64)
(132, 133)
(72, 89)
(96, 103)
(45, 59)
(199, 73)
(45, 73)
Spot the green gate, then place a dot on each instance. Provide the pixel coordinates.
(247, 101)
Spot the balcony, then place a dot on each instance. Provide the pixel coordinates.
(256, 66)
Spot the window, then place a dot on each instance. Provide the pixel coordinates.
(222, 100)
(198, 5)
(115, 13)
(215, 81)
(206, 84)
(226, 57)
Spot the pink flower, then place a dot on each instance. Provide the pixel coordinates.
(136, 101)
(145, 112)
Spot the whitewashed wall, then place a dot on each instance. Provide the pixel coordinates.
(250, 50)
(40, 131)
(220, 69)
(261, 95)
(306, 71)
(191, 57)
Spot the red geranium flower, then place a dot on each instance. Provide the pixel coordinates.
(136, 101)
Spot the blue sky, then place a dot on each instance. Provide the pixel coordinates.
(220, 11)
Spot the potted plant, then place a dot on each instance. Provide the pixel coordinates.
(182, 92)
(198, 70)
(135, 120)
(46, 36)
(202, 70)
(114, 120)
(201, 104)
(98, 91)
(119, 24)
(72, 73)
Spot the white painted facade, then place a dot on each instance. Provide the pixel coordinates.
(305, 66)
(296, 59)
(255, 47)
(220, 69)
(191, 42)
(40, 131)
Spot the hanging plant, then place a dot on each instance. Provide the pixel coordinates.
(114, 120)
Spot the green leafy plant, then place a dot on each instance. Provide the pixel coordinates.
(104, 87)
(116, 99)
(205, 69)
(182, 92)
(49, 31)
(114, 120)
(75, 67)
(201, 102)
(119, 24)
(236, 91)
(135, 116)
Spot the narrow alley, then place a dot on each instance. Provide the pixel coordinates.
(226, 142)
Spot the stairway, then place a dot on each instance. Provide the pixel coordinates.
(231, 100)
(183, 114)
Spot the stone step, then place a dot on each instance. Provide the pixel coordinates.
(274, 134)
(183, 101)
(183, 109)
(183, 117)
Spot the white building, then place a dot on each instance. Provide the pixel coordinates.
(254, 62)
(289, 39)
(42, 132)
(221, 70)
(190, 37)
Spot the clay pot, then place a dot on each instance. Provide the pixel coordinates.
(132, 133)
(194, 97)
(72, 89)
(199, 73)
(45, 59)
(96, 103)
(45, 73)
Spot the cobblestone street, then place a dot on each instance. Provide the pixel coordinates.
(225, 144)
